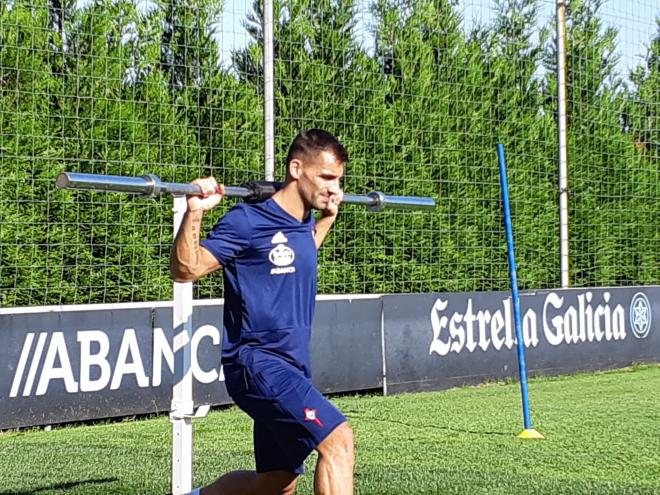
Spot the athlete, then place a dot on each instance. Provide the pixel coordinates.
(268, 253)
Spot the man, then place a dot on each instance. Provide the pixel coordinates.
(268, 252)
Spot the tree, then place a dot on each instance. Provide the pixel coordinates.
(28, 152)
(642, 120)
(644, 117)
(189, 52)
(512, 98)
(600, 161)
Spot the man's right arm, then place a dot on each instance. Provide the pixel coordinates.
(189, 260)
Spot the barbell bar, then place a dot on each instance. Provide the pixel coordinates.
(151, 186)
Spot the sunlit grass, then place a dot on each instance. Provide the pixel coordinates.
(602, 437)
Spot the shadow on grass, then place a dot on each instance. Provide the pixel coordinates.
(61, 486)
(427, 425)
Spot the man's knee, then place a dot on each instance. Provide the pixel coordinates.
(339, 444)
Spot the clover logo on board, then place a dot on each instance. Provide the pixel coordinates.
(640, 315)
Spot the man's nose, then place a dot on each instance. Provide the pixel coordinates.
(333, 186)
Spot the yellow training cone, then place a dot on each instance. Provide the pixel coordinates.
(531, 434)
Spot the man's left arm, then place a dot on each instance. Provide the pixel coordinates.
(322, 228)
(327, 219)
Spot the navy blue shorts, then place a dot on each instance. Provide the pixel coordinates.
(291, 417)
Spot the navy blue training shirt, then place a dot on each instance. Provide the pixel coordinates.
(270, 263)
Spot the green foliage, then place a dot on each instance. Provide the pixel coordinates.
(107, 87)
(644, 117)
(612, 232)
(643, 126)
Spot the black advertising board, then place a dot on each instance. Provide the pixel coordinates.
(75, 363)
(436, 341)
(346, 350)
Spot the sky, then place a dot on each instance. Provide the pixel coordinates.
(633, 18)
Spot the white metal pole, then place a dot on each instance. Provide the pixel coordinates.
(269, 98)
(562, 142)
(182, 401)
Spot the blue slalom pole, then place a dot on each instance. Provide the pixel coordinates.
(522, 369)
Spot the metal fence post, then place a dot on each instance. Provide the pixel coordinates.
(269, 98)
(182, 410)
(182, 401)
(562, 143)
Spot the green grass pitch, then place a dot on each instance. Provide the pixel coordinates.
(602, 437)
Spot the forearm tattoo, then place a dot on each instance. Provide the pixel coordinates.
(195, 237)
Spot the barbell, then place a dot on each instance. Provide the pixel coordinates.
(253, 192)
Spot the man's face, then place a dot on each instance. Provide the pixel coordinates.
(319, 179)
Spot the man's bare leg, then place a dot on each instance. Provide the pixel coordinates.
(253, 483)
(335, 464)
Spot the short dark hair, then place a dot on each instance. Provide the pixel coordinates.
(312, 142)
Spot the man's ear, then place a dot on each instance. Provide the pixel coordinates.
(295, 168)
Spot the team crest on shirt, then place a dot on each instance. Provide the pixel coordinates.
(282, 256)
(310, 415)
